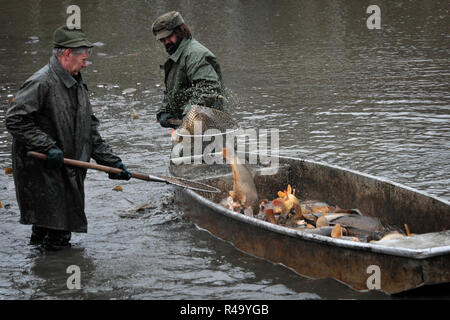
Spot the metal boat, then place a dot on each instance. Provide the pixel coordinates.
(400, 264)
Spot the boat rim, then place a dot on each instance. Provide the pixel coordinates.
(372, 247)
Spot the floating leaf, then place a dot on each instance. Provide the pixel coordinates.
(118, 188)
(1, 204)
(8, 170)
(10, 100)
(134, 115)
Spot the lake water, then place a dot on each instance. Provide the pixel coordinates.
(375, 101)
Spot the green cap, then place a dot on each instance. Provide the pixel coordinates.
(66, 38)
(164, 25)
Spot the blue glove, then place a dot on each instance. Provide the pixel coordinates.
(164, 120)
(55, 158)
(124, 175)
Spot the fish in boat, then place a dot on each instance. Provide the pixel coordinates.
(286, 201)
(339, 232)
(336, 232)
(405, 264)
(311, 207)
(244, 189)
(317, 208)
(281, 206)
(355, 225)
(288, 211)
(312, 210)
(266, 211)
(390, 236)
(327, 219)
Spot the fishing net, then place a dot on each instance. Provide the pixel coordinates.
(200, 138)
(206, 121)
(194, 185)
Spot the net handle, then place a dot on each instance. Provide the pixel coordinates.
(87, 165)
(180, 182)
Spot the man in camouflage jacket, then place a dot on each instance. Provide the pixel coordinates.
(192, 72)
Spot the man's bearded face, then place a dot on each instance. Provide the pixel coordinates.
(171, 43)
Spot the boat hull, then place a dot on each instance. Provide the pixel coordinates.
(362, 266)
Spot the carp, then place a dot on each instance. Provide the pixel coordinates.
(390, 236)
(359, 222)
(244, 189)
(266, 211)
(327, 219)
(280, 206)
(362, 227)
(285, 202)
(310, 207)
(336, 232)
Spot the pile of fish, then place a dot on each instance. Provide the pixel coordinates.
(307, 215)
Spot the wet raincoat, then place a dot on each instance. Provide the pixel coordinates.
(192, 76)
(53, 108)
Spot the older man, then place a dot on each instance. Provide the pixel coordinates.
(52, 114)
(192, 72)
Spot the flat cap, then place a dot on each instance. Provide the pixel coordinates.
(164, 25)
(64, 37)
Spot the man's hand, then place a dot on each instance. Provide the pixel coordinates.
(164, 120)
(55, 158)
(187, 107)
(124, 175)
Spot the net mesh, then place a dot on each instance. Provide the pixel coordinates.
(201, 119)
(194, 185)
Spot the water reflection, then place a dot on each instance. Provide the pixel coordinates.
(52, 268)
